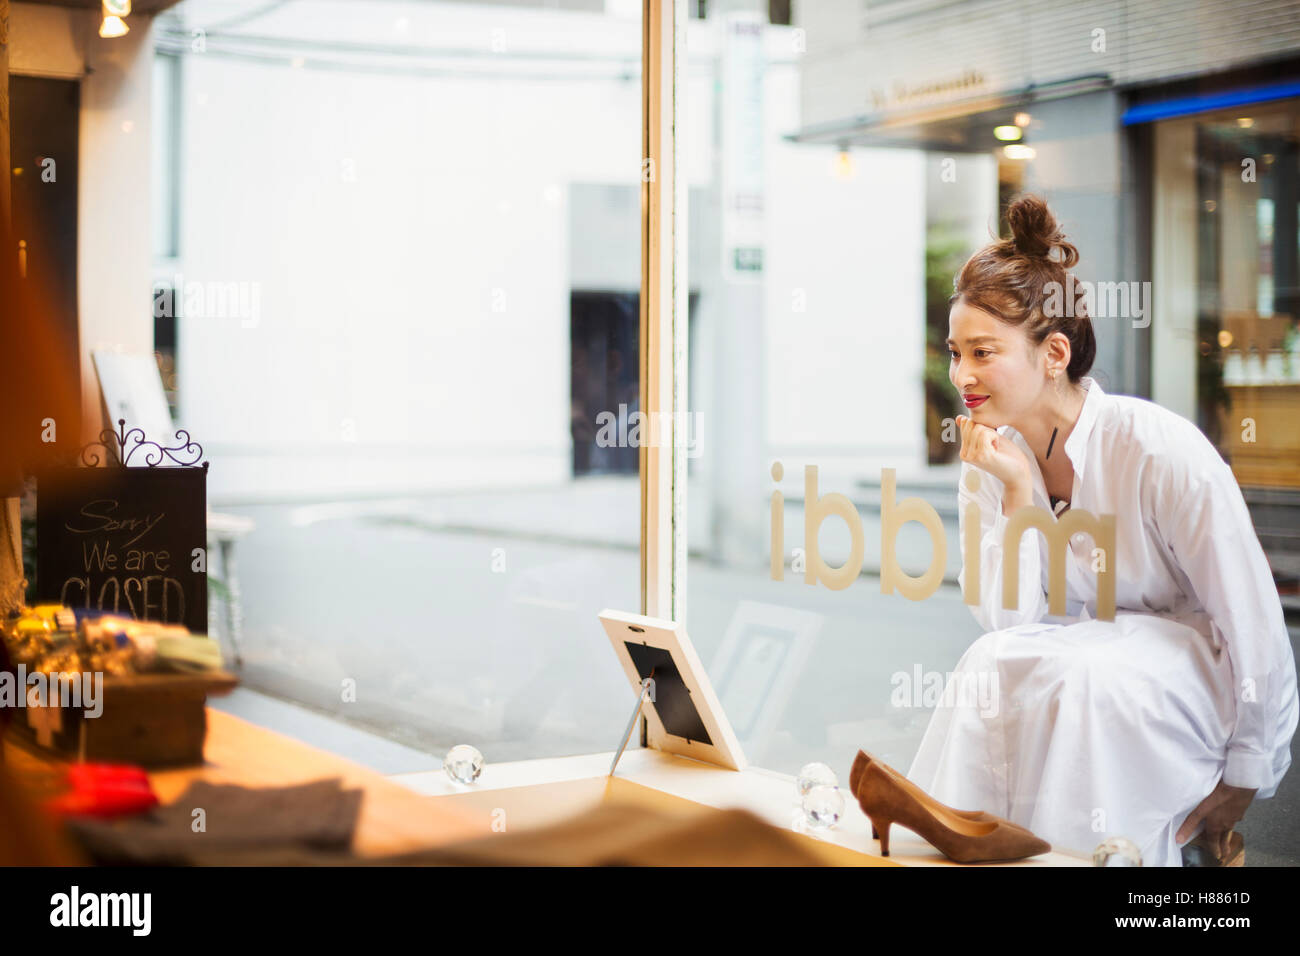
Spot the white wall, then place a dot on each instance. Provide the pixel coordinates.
(844, 386)
(379, 216)
(114, 229)
(407, 236)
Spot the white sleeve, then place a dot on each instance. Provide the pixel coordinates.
(1203, 518)
(990, 613)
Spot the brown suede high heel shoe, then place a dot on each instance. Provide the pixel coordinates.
(889, 798)
(863, 758)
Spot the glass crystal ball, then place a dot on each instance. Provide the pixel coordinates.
(1117, 851)
(815, 775)
(823, 805)
(463, 763)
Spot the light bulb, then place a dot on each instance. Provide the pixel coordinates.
(113, 27)
(843, 164)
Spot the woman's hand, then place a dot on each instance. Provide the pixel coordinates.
(984, 448)
(1221, 811)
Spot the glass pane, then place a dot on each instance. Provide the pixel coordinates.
(846, 168)
(407, 280)
(1248, 370)
(1248, 290)
(823, 272)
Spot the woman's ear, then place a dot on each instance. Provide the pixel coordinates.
(1057, 354)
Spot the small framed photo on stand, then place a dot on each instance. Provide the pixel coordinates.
(683, 715)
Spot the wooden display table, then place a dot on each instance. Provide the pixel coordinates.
(393, 819)
(536, 792)
(411, 812)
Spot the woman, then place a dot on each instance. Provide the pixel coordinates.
(1168, 720)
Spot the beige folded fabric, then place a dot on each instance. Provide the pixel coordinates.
(621, 835)
(607, 835)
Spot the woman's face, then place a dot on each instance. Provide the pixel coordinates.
(993, 361)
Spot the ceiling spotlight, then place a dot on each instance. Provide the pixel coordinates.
(1018, 151)
(1022, 119)
(112, 24)
(111, 27)
(1245, 122)
(1007, 133)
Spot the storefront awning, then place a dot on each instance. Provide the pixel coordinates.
(956, 126)
(1205, 102)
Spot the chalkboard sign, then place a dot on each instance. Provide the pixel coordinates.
(128, 540)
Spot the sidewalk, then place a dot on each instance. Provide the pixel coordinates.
(604, 512)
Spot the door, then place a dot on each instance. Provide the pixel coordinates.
(42, 326)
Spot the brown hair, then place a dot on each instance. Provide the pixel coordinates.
(1010, 279)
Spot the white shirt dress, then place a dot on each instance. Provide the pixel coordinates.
(1120, 728)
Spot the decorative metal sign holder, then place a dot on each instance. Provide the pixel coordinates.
(114, 444)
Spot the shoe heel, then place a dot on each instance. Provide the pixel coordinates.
(880, 831)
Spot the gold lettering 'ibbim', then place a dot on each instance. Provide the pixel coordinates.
(893, 515)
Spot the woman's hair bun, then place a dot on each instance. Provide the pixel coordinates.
(1035, 231)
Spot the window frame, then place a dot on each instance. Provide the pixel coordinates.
(663, 341)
